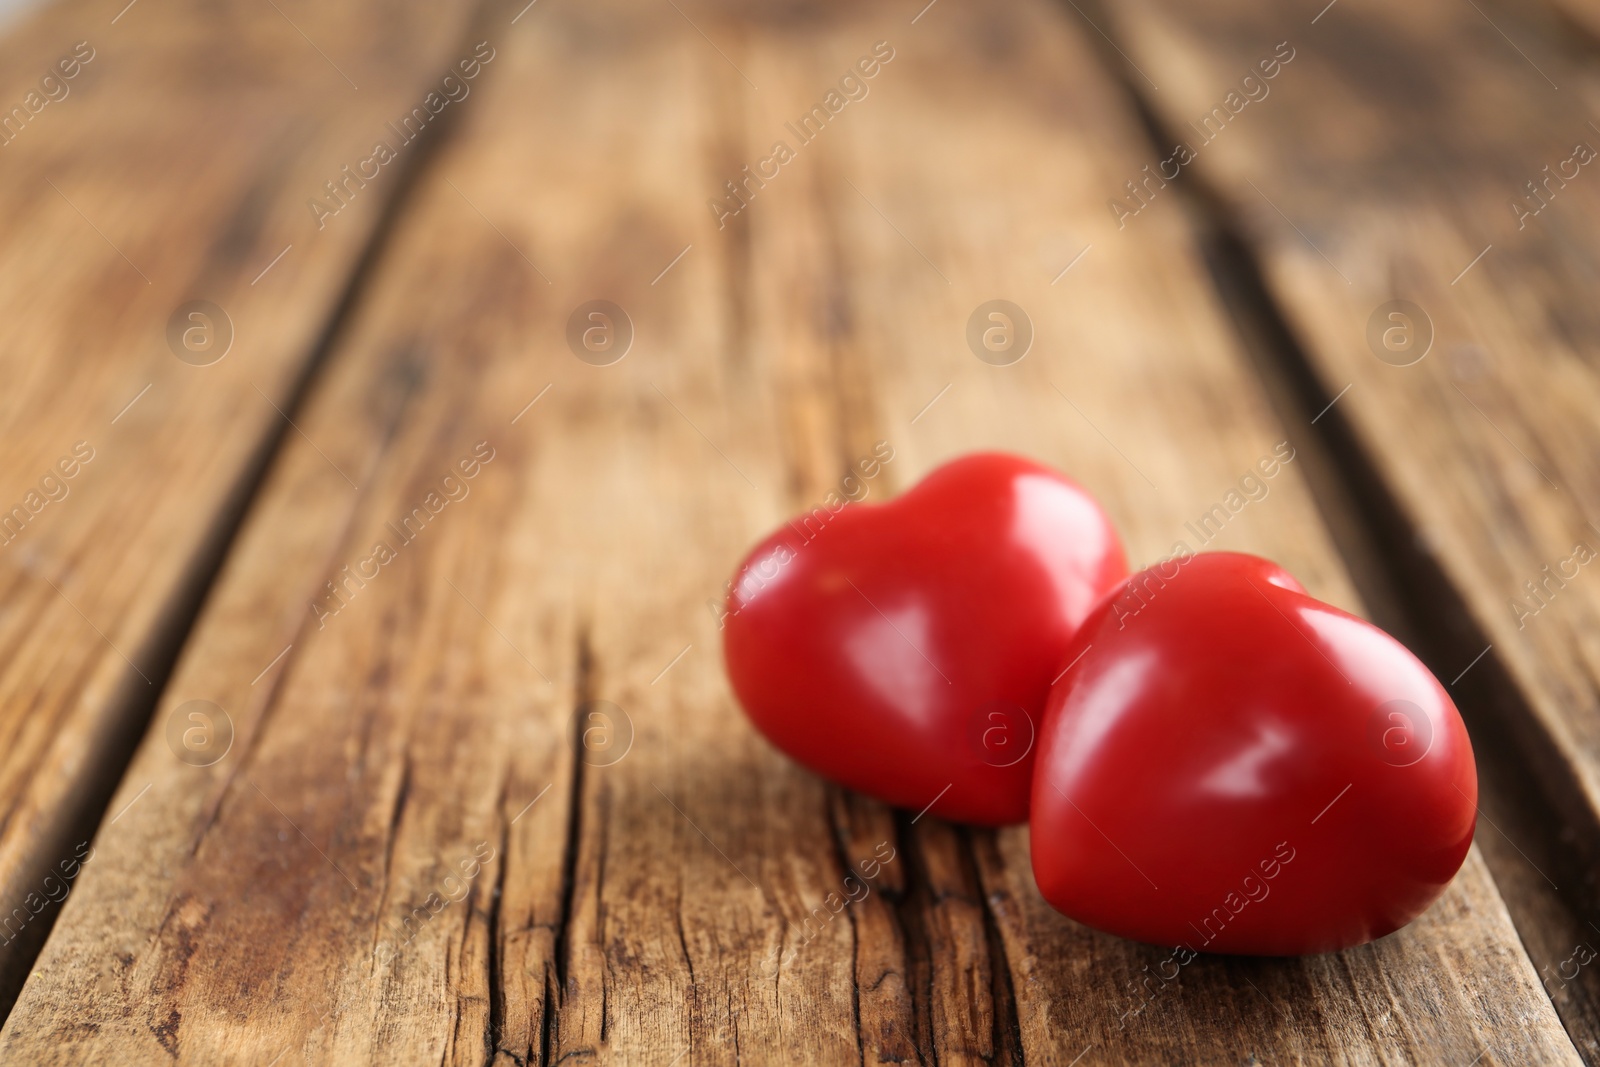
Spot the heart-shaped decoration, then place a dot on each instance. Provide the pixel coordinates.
(905, 649)
(1233, 766)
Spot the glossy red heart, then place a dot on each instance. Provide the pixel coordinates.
(1234, 766)
(905, 649)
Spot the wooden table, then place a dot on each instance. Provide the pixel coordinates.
(322, 519)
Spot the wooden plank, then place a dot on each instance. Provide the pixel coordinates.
(1133, 337)
(363, 755)
(674, 904)
(1480, 458)
(154, 156)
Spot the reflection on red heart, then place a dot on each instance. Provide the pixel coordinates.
(905, 649)
(1233, 766)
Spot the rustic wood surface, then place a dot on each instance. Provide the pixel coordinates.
(496, 803)
(174, 165)
(1481, 456)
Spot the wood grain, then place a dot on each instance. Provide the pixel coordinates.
(1187, 420)
(589, 547)
(174, 164)
(683, 902)
(1392, 160)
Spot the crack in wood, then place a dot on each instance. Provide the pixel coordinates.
(583, 692)
(497, 992)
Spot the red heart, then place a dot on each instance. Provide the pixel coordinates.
(905, 649)
(1234, 766)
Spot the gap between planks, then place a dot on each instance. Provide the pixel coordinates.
(1407, 590)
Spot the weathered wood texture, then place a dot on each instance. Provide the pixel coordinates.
(1137, 327)
(173, 164)
(1442, 154)
(414, 852)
